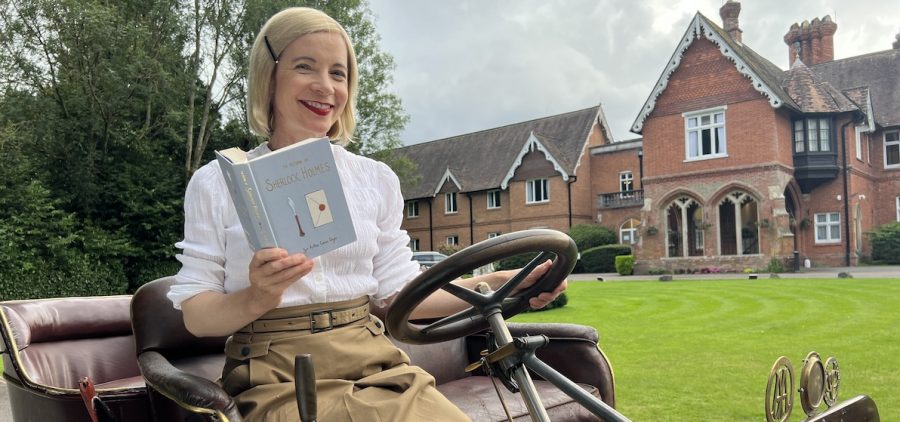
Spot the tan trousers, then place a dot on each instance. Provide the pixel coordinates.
(360, 375)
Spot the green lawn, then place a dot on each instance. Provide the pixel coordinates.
(702, 350)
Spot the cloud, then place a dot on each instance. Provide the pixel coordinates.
(464, 66)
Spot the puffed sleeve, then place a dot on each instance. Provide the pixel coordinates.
(393, 266)
(203, 257)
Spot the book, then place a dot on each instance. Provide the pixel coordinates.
(290, 198)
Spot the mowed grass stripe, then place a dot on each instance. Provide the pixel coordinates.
(702, 350)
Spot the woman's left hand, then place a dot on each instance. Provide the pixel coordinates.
(542, 299)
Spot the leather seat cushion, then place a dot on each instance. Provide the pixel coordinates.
(477, 398)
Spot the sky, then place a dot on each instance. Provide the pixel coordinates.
(469, 65)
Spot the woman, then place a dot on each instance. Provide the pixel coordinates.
(302, 84)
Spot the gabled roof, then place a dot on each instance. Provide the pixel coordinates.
(879, 72)
(482, 160)
(811, 94)
(763, 75)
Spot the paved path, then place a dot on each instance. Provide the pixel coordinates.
(857, 272)
(892, 271)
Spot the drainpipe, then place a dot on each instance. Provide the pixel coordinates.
(569, 188)
(641, 167)
(430, 224)
(846, 193)
(471, 220)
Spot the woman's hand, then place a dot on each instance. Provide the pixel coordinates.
(272, 271)
(542, 299)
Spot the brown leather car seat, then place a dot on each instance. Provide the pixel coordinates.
(48, 345)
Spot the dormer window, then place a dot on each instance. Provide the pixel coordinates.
(812, 135)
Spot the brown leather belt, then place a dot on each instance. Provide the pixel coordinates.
(315, 321)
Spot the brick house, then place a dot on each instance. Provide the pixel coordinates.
(739, 161)
(743, 162)
(534, 174)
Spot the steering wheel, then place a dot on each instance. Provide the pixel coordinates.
(548, 243)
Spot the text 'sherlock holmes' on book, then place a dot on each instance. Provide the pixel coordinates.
(290, 198)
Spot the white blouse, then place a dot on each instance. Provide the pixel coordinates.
(216, 255)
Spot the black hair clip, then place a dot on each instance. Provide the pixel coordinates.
(269, 46)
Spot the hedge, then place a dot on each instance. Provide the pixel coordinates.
(886, 243)
(602, 259)
(625, 264)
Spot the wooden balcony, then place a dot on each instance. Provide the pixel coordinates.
(627, 198)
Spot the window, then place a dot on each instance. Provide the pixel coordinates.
(705, 134)
(452, 240)
(898, 208)
(450, 203)
(628, 232)
(828, 227)
(412, 209)
(414, 244)
(812, 135)
(892, 149)
(626, 183)
(537, 191)
(493, 199)
(492, 235)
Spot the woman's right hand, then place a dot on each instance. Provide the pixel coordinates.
(272, 271)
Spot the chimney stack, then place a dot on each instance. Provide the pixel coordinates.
(811, 42)
(729, 13)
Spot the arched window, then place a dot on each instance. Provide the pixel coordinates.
(738, 224)
(684, 233)
(628, 232)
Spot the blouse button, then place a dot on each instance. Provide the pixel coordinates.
(245, 351)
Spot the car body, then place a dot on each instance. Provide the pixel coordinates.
(427, 259)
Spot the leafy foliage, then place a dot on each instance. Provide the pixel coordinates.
(588, 236)
(601, 259)
(625, 264)
(104, 113)
(886, 243)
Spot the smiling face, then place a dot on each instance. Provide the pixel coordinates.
(310, 88)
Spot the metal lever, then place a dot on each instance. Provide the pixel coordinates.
(305, 387)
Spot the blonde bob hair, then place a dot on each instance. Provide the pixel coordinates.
(280, 30)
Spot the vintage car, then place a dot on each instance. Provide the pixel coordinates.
(130, 358)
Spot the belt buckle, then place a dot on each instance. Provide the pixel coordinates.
(312, 321)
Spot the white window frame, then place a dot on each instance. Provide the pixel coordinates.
(412, 209)
(895, 143)
(626, 178)
(450, 205)
(493, 199)
(537, 191)
(898, 208)
(492, 235)
(832, 226)
(856, 131)
(414, 244)
(631, 229)
(452, 240)
(693, 125)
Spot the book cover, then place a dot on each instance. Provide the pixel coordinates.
(290, 198)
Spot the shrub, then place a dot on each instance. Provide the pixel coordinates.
(886, 243)
(602, 258)
(588, 236)
(775, 266)
(448, 249)
(625, 264)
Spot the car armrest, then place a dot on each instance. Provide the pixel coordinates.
(194, 393)
(573, 350)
